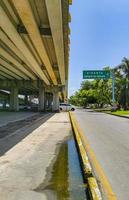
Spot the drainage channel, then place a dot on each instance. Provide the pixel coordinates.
(66, 181)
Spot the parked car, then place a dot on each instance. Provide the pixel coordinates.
(66, 107)
(24, 107)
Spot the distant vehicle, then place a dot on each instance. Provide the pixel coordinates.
(66, 107)
(114, 108)
(24, 107)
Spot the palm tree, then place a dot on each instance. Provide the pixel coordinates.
(124, 66)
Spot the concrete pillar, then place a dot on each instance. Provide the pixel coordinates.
(26, 102)
(50, 103)
(4, 103)
(41, 99)
(55, 105)
(14, 101)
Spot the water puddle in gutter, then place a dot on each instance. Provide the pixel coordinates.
(66, 182)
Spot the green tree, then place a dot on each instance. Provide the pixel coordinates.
(103, 92)
(83, 98)
(86, 85)
(100, 91)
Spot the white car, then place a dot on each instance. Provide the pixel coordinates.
(66, 107)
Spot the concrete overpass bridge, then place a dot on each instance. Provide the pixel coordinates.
(34, 49)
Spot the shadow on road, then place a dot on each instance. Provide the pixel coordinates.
(14, 132)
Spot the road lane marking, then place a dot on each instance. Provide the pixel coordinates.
(95, 164)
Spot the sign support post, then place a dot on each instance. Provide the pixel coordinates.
(113, 86)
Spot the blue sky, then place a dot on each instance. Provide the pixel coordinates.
(99, 36)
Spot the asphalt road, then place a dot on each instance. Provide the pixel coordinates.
(109, 138)
(9, 117)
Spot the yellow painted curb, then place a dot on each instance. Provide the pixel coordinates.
(86, 165)
(102, 177)
(94, 189)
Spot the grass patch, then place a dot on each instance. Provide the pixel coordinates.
(121, 112)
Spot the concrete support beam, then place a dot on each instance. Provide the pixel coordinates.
(14, 102)
(12, 33)
(13, 69)
(55, 105)
(45, 31)
(20, 84)
(6, 75)
(28, 19)
(32, 49)
(19, 66)
(8, 72)
(11, 45)
(1, 77)
(41, 99)
(54, 9)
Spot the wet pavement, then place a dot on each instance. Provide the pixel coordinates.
(66, 180)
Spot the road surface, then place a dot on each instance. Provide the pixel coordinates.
(109, 138)
(9, 117)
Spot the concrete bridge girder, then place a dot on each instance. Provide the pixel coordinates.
(25, 12)
(34, 49)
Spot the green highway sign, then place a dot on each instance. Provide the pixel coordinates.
(96, 74)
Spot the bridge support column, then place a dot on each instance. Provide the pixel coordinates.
(14, 101)
(50, 103)
(55, 106)
(26, 102)
(41, 99)
(4, 103)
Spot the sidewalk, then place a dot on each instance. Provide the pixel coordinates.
(25, 166)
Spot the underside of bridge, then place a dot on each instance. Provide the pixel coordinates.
(34, 49)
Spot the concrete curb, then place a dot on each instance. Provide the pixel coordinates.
(117, 115)
(127, 117)
(93, 188)
(85, 161)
